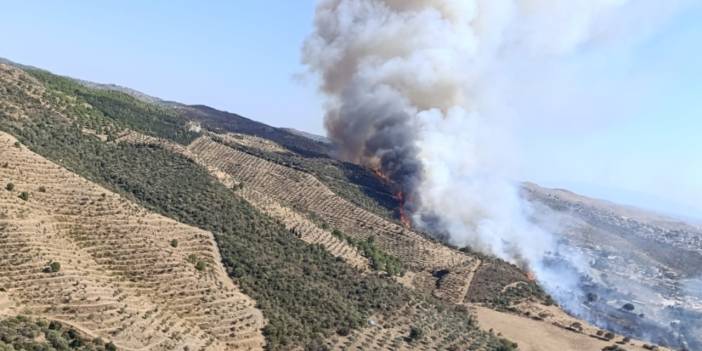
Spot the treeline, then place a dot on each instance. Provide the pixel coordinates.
(122, 110)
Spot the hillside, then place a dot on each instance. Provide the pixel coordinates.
(181, 225)
(637, 257)
(142, 279)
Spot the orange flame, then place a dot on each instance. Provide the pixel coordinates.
(381, 175)
(399, 195)
(404, 218)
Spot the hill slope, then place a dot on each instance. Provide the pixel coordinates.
(637, 257)
(127, 275)
(314, 241)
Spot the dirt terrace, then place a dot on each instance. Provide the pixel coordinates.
(122, 277)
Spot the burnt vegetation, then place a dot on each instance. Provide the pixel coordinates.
(501, 285)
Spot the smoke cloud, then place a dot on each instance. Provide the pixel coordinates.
(422, 91)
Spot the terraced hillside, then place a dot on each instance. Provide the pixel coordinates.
(293, 221)
(306, 194)
(73, 251)
(312, 240)
(306, 294)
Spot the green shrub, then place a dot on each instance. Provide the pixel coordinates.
(174, 243)
(52, 267)
(42, 189)
(506, 345)
(24, 195)
(9, 187)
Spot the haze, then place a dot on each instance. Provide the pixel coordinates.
(619, 122)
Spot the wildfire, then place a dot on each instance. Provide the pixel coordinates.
(531, 276)
(399, 196)
(378, 173)
(404, 218)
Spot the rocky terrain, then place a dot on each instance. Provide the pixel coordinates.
(644, 273)
(161, 226)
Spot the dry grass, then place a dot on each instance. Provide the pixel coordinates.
(534, 335)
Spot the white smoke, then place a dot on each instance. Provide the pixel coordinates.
(423, 89)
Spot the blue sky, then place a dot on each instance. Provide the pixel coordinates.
(235, 55)
(649, 151)
(243, 56)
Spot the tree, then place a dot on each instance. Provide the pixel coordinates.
(10, 186)
(343, 330)
(337, 233)
(174, 243)
(110, 347)
(24, 195)
(416, 333)
(54, 325)
(628, 307)
(52, 267)
(591, 297)
(506, 345)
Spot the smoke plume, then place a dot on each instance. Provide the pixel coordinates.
(422, 91)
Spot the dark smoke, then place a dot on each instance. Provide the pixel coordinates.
(420, 91)
(377, 133)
